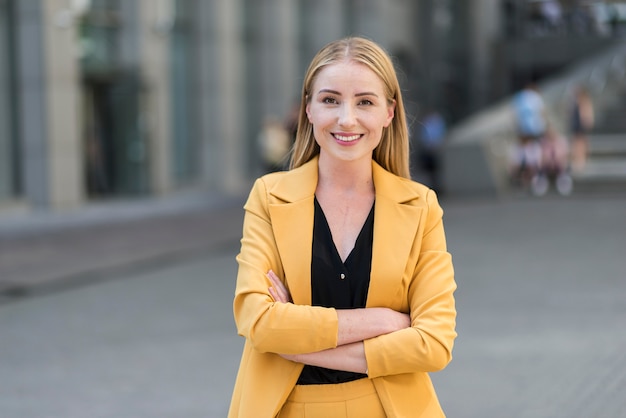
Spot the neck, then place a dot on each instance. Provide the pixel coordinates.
(345, 176)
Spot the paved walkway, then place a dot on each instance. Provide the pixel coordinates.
(541, 296)
(541, 308)
(43, 251)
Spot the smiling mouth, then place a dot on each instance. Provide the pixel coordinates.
(347, 138)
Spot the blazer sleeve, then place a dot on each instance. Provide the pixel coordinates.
(427, 345)
(271, 326)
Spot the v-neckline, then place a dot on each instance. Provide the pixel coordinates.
(330, 234)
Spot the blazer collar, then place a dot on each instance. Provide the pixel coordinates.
(301, 183)
(298, 184)
(395, 227)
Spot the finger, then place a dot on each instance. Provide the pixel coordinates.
(273, 280)
(272, 276)
(278, 297)
(273, 294)
(278, 287)
(275, 290)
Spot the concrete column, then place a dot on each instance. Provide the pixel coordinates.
(47, 87)
(323, 21)
(404, 45)
(31, 93)
(224, 94)
(205, 49)
(129, 33)
(271, 69)
(484, 29)
(279, 81)
(153, 20)
(232, 94)
(65, 156)
(402, 15)
(371, 19)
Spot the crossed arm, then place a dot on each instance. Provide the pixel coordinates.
(355, 326)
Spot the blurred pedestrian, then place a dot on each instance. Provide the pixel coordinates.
(530, 113)
(291, 121)
(345, 286)
(554, 164)
(581, 123)
(274, 143)
(525, 163)
(531, 122)
(431, 140)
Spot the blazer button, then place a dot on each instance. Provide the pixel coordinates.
(342, 276)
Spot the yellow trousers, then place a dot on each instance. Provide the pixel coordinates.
(357, 399)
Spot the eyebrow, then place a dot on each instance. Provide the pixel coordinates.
(367, 93)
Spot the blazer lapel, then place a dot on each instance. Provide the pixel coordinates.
(395, 227)
(292, 220)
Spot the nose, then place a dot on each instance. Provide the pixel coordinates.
(347, 115)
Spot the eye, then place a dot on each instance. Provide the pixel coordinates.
(366, 102)
(329, 100)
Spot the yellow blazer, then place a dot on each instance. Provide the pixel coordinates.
(411, 272)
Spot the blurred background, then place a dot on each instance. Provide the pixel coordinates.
(131, 132)
(110, 99)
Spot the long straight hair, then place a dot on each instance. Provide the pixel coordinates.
(393, 151)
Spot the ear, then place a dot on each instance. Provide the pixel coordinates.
(308, 111)
(391, 112)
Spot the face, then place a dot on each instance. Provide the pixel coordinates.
(348, 110)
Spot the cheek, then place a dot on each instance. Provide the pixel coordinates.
(385, 121)
(312, 113)
(320, 117)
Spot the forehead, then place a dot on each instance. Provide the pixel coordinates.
(347, 76)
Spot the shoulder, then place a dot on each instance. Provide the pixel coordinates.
(426, 196)
(264, 185)
(420, 189)
(399, 189)
(270, 179)
(288, 186)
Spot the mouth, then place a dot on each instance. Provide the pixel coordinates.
(347, 138)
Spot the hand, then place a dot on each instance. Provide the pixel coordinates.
(278, 290)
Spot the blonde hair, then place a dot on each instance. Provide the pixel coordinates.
(393, 151)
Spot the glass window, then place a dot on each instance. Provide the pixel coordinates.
(99, 36)
(116, 157)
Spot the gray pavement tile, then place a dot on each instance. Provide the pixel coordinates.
(60, 253)
(541, 305)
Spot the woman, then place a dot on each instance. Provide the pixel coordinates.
(582, 120)
(345, 287)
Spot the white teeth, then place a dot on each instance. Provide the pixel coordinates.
(347, 138)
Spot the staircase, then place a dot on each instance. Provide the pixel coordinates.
(476, 157)
(606, 164)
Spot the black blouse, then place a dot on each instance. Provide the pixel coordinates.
(337, 284)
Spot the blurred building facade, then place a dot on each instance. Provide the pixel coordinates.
(114, 99)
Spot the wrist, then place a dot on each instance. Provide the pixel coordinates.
(387, 323)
